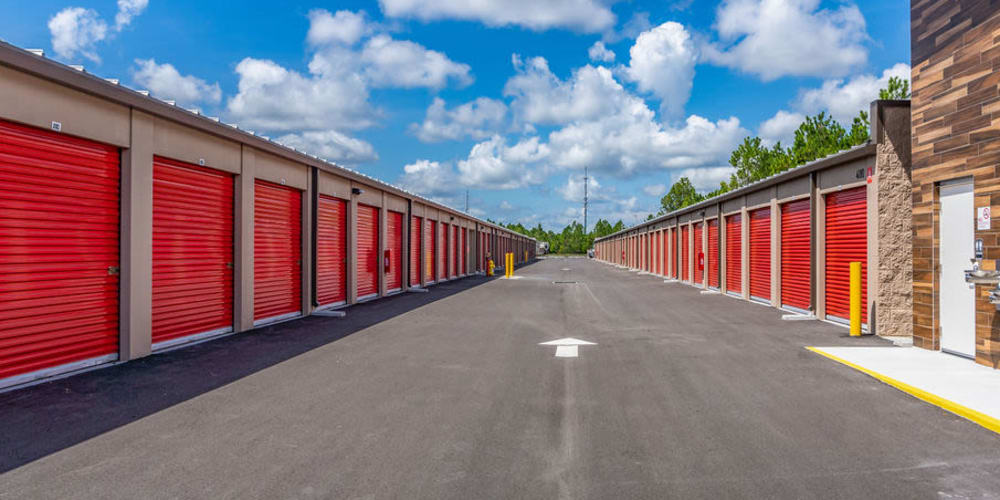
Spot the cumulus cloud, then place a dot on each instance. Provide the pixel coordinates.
(506, 206)
(332, 145)
(662, 63)
(573, 189)
(706, 178)
(477, 119)
(844, 98)
(492, 164)
(432, 179)
(76, 31)
(781, 127)
(404, 64)
(776, 38)
(164, 81)
(344, 27)
(655, 190)
(589, 16)
(599, 53)
(539, 97)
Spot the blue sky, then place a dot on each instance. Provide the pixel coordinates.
(505, 99)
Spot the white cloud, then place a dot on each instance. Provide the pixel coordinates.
(573, 189)
(599, 53)
(780, 127)
(76, 30)
(127, 10)
(539, 97)
(332, 145)
(582, 15)
(843, 99)
(165, 82)
(706, 178)
(506, 206)
(477, 119)
(429, 178)
(775, 38)
(344, 27)
(662, 63)
(655, 190)
(492, 164)
(404, 64)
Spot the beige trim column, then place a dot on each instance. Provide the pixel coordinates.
(352, 248)
(775, 253)
(405, 257)
(723, 254)
(243, 274)
(382, 220)
(136, 304)
(307, 250)
(745, 252)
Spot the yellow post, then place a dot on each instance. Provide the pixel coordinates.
(855, 299)
(510, 264)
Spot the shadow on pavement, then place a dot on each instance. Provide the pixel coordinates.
(43, 419)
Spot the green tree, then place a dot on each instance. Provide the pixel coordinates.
(898, 88)
(681, 194)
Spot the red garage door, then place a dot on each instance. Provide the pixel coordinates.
(59, 227)
(416, 224)
(277, 252)
(699, 254)
(455, 253)
(686, 253)
(394, 246)
(713, 253)
(464, 268)
(430, 259)
(443, 254)
(795, 266)
(192, 251)
(673, 253)
(760, 254)
(846, 242)
(331, 251)
(734, 254)
(368, 260)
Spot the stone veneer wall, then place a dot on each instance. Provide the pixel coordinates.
(894, 297)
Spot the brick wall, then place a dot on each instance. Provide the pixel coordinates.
(955, 46)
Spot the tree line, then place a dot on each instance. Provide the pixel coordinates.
(572, 239)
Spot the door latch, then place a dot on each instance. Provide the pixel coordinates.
(229, 265)
(113, 270)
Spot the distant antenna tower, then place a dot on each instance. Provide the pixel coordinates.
(466, 201)
(586, 180)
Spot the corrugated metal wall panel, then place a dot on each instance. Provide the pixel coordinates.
(734, 254)
(368, 258)
(795, 255)
(277, 262)
(416, 226)
(192, 250)
(394, 244)
(846, 242)
(760, 254)
(699, 250)
(713, 253)
(331, 251)
(59, 237)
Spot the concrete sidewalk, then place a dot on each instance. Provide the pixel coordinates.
(950, 382)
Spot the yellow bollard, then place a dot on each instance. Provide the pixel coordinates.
(489, 267)
(510, 264)
(855, 299)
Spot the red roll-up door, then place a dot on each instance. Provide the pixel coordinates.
(713, 253)
(277, 252)
(760, 254)
(455, 254)
(685, 253)
(331, 251)
(464, 268)
(795, 263)
(368, 258)
(734, 254)
(673, 253)
(192, 251)
(416, 225)
(699, 249)
(430, 259)
(846, 242)
(394, 245)
(443, 254)
(59, 243)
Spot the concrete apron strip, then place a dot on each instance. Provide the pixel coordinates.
(954, 384)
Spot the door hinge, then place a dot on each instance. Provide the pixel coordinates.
(113, 270)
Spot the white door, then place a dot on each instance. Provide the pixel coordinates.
(957, 298)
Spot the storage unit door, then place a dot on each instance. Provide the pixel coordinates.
(455, 254)
(713, 253)
(394, 246)
(795, 264)
(846, 242)
(331, 251)
(699, 249)
(430, 257)
(277, 252)
(734, 254)
(464, 267)
(192, 251)
(685, 253)
(442, 264)
(416, 224)
(59, 227)
(760, 254)
(673, 253)
(368, 259)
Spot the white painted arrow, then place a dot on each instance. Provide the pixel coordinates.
(567, 347)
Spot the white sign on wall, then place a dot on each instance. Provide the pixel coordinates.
(983, 218)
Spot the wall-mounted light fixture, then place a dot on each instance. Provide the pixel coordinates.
(356, 191)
